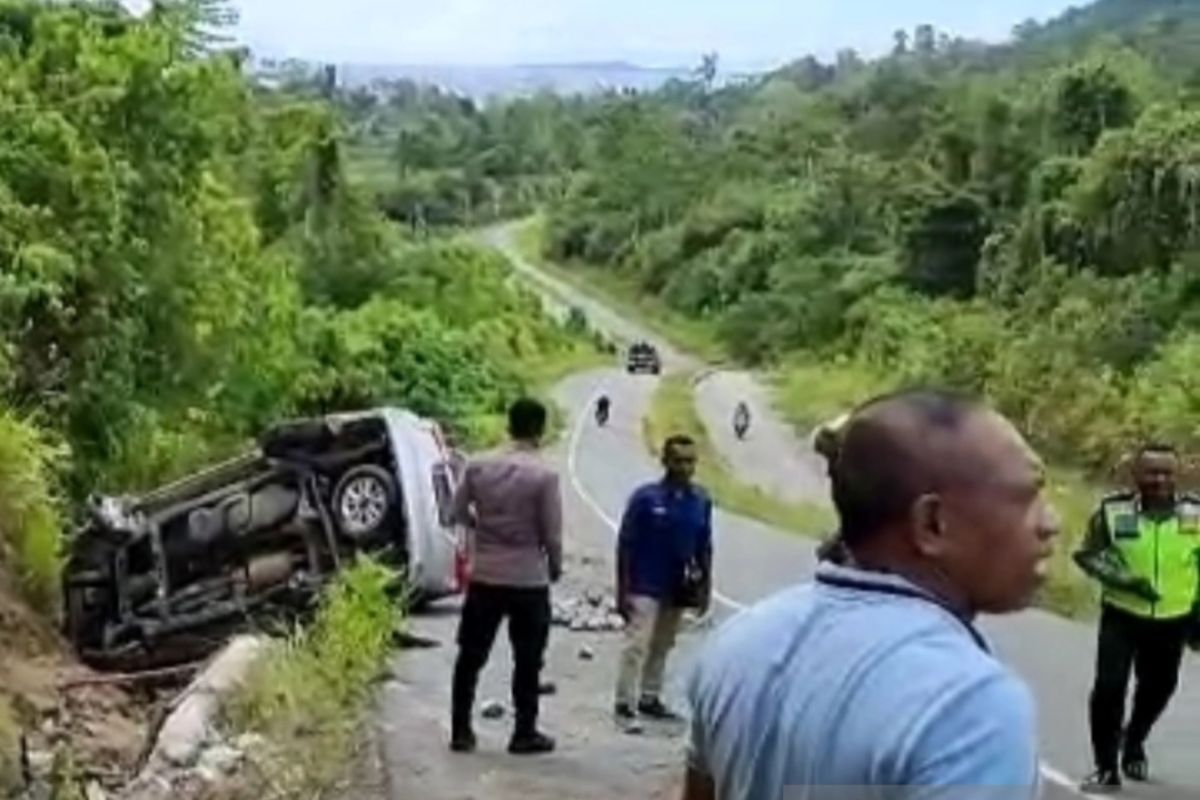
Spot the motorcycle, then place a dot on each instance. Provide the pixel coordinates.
(741, 422)
(602, 409)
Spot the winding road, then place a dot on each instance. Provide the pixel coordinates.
(1054, 655)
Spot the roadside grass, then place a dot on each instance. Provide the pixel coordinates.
(672, 411)
(308, 694)
(622, 292)
(30, 524)
(10, 763)
(807, 393)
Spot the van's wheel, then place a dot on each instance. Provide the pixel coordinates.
(363, 501)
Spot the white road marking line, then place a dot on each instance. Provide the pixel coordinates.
(1049, 772)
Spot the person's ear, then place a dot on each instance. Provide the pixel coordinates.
(927, 522)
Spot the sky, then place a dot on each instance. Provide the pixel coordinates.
(748, 34)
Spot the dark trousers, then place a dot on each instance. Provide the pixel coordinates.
(1153, 649)
(528, 614)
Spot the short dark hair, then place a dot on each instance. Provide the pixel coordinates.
(678, 440)
(526, 419)
(881, 466)
(1156, 446)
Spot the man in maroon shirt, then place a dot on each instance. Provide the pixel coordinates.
(511, 503)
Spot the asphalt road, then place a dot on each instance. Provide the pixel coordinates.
(596, 760)
(1054, 655)
(771, 456)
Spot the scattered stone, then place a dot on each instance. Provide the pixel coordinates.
(586, 653)
(190, 722)
(562, 613)
(632, 727)
(207, 775)
(220, 759)
(41, 762)
(548, 689)
(596, 612)
(250, 742)
(493, 709)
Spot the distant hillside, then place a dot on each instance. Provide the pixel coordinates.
(1166, 31)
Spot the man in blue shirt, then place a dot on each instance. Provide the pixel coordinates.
(872, 681)
(664, 564)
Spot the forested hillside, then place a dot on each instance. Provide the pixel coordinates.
(431, 158)
(182, 261)
(1022, 220)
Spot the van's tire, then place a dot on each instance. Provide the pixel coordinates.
(364, 501)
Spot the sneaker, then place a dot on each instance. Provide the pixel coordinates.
(1135, 764)
(1102, 781)
(530, 744)
(463, 742)
(625, 712)
(653, 708)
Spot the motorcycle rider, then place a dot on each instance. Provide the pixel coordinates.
(602, 409)
(741, 419)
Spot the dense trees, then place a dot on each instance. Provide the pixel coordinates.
(182, 258)
(1019, 219)
(433, 158)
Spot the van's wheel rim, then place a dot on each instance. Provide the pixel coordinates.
(363, 505)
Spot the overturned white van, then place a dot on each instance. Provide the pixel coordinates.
(157, 577)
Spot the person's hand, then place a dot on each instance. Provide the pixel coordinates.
(555, 573)
(1145, 590)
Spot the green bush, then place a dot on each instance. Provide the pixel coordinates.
(1164, 397)
(321, 673)
(186, 259)
(10, 761)
(30, 526)
(307, 693)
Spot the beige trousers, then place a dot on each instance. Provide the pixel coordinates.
(649, 636)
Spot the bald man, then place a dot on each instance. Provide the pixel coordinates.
(874, 674)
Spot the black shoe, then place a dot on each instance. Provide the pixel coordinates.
(463, 742)
(627, 719)
(530, 744)
(1135, 764)
(653, 708)
(1102, 781)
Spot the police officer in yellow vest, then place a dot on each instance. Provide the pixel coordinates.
(1144, 549)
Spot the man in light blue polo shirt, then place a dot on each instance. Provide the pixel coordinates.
(871, 681)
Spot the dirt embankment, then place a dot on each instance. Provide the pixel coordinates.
(58, 724)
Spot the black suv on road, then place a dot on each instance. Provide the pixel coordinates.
(643, 357)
